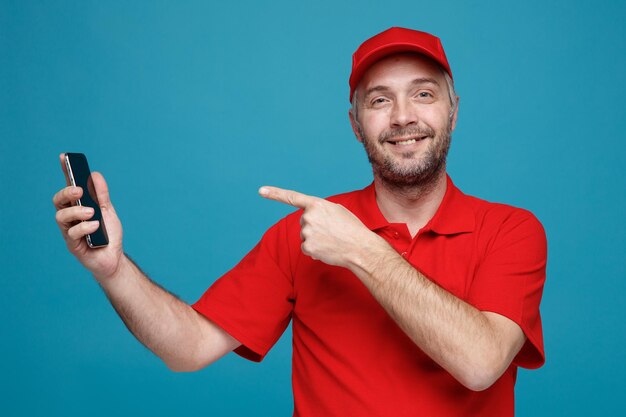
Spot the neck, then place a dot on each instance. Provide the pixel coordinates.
(414, 205)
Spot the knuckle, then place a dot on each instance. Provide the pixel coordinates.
(58, 199)
(59, 215)
(72, 232)
(309, 249)
(79, 230)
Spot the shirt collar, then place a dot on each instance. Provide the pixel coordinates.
(454, 214)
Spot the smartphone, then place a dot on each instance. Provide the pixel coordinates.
(79, 175)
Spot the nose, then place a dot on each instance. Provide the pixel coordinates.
(403, 114)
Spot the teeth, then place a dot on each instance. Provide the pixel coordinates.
(406, 142)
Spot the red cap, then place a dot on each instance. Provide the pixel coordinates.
(392, 41)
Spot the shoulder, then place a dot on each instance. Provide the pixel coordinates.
(499, 223)
(492, 213)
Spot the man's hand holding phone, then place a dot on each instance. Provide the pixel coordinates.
(74, 222)
(183, 338)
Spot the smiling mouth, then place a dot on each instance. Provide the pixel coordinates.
(404, 142)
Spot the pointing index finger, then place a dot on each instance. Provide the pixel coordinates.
(293, 198)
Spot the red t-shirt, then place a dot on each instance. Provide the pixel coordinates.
(349, 356)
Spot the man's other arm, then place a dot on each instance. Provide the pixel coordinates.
(185, 340)
(476, 347)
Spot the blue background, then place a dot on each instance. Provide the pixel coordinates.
(188, 107)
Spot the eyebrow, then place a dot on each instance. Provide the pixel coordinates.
(417, 81)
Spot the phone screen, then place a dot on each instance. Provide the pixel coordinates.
(80, 175)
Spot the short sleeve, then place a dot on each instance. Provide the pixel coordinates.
(253, 302)
(510, 280)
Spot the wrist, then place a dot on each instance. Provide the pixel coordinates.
(122, 271)
(369, 255)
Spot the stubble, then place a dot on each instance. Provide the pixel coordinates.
(409, 174)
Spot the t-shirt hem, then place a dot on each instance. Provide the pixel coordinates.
(538, 354)
(249, 349)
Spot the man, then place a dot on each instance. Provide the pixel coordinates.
(408, 298)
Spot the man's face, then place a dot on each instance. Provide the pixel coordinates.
(404, 119)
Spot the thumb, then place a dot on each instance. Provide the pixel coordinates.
(109, 216)
(100, 190)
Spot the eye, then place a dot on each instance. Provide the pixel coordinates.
(424, 94)
(378, 100)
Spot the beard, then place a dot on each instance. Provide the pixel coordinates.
(408, 172)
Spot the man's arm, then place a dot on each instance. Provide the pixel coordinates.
(184, 339)
(473, 346)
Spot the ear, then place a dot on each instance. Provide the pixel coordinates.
(354, 124)
(455, 114)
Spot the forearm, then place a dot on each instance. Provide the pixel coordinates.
(453, 333)
(158, 319)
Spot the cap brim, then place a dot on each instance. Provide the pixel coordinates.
(382, 52)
